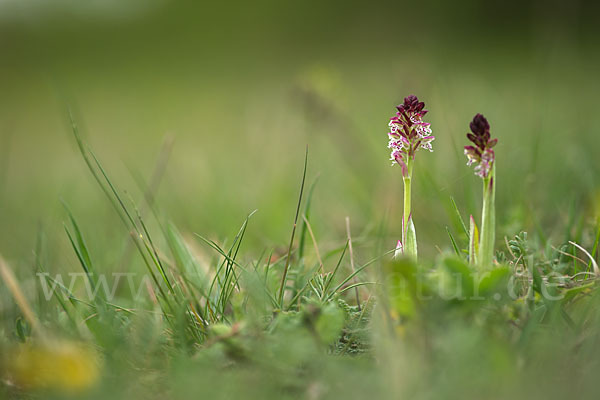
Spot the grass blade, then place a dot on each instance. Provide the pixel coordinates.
(454, 245)
(459, 217)
(289, 254)
(306, 214)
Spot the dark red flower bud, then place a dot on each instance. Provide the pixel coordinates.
(482, 153)
(480, 125)
(472, 138)
(412, 105)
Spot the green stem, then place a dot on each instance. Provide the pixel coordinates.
(409, 241)
(488, 220)
(407, 195)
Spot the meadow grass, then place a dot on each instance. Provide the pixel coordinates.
(298, 324)
(288, 301)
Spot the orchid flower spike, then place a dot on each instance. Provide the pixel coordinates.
(408, 132)
(482, 153)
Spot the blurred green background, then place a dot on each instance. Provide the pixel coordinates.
(243, 87)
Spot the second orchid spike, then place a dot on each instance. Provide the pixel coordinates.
(481, 153)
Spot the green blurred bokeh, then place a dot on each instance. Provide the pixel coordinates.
(243, 87)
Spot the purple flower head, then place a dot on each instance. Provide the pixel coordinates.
(412, 105)
(482, 153)
(408, 132)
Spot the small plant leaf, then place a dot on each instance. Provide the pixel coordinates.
(330, 322)
(410, 247)
(458, 216)
(473, 241)
(404, 286)
(454, 245)
(462, 275)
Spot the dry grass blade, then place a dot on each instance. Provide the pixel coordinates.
(15, 289)
(594, 263)
(349, 236)
(314, 240)
(568, 255)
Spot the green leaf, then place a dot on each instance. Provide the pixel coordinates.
(454, 245)
(458, 216)
(410, 247)
(403, 286)
(459, 269)
(330, 322)
(22, 329)
(494, 281)
(473, 241)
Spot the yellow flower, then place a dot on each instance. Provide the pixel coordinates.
(63, 366)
